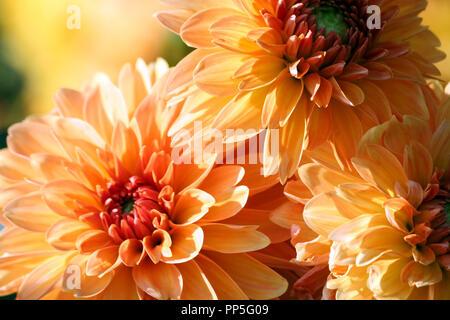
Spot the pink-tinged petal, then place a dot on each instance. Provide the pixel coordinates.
(29, 212)
(102, 261)
(64, 233)
(15, 168)
(42, 279)
(69, 198)
(254, 278)
(173, 19)
(195, 31)
(191, 206)
(69, 103)
(30, 137)
(233, 239)
(224, 286)
(198, 288)
(187, 241)
(161, 281)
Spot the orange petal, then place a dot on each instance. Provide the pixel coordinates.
(223, 285)
(161, 281)
(42, 279)
(255, 279)
(131, 252)
(195, 31)
(102, 261)
(281, 100)
(191, 206)
(214, 73)
(187, 241)
(258, 72)
(231, 33)
(70, 198)
(199, 287)
(29, 212)
(92, 240)
(64, 233)
(239, 238)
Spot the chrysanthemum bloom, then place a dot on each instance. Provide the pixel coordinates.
(97, 208)
(389, 222)
(319, 69)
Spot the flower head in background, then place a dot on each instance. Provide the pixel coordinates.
(93, 187)
(317, 69)
(388, 223)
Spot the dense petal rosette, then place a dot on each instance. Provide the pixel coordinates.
(93, 187)
(387, 221)
(315, 69)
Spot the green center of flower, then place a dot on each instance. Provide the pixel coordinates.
(128, 206)
(332, 19)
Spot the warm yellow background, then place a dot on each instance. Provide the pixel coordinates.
(51, 56)
(437, 17)
(112, 32)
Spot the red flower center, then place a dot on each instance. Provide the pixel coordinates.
(324, 36)
(133, 210)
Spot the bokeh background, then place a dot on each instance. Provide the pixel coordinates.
(39, 53)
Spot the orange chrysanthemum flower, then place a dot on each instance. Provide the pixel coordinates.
(91, 190)
(317, 69)
(386, 225)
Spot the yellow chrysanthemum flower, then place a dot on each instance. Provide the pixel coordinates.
(93, 187)
(318, 69)
(386, 225)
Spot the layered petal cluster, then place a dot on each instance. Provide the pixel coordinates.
(95, 206)
(317, 70)
(387, 222)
